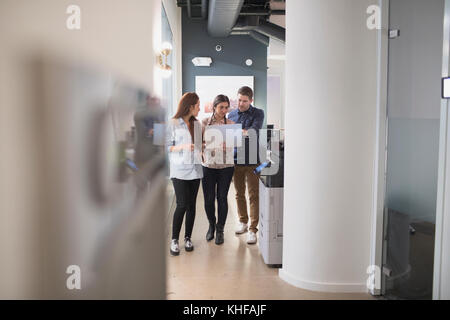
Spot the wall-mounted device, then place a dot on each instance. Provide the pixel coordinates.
(202, 61)
(394, 33)
(446, 88)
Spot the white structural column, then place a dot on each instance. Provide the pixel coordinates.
(331, 91)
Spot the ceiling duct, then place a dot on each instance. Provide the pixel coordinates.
(222, 16)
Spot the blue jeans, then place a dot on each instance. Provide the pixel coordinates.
(220, 180)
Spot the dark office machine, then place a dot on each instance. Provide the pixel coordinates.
(275, 180)
(271, 202)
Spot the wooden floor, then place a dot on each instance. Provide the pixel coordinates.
(230, 271)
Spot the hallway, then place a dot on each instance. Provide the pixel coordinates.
(232, 271)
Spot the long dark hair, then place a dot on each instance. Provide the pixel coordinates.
(219, 99)
(188, 100)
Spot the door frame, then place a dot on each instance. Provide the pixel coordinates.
(443, 195)
(379, 181)
(442, 239)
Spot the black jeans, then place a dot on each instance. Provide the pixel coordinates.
(186, 194)
(220, 180)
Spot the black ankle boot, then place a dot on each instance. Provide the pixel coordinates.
(219, 234)
(210, 233)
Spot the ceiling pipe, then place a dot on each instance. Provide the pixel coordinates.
(263, 13)
(255, 13)
(272, 30)
(189, 10)
(204, 10)
(278, 12)
(255, 35)
(264, 28)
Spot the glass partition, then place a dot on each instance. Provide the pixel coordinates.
(414, 99)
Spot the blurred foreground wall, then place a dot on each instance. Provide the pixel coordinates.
(54, 83)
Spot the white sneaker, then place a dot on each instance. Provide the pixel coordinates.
(241, 228)
(174, 248)
(188, 246)
(251, 237)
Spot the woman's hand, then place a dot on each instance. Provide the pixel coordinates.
(183, 147)
(186, 147)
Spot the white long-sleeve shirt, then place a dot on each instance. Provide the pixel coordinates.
(186, 164)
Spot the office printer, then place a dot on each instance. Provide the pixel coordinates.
(271, 205)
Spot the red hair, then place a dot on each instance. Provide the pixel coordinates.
(188, 100)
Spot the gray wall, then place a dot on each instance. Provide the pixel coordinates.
(229, 62)
(415, 60)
